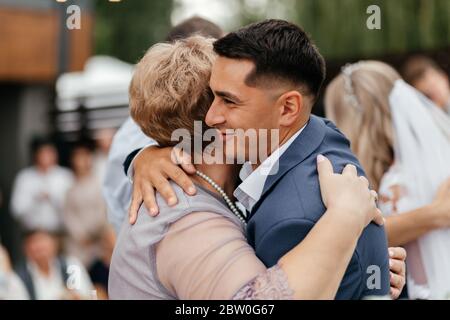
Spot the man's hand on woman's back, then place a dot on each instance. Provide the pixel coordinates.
(153, 168)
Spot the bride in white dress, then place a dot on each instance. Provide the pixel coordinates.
(403, 142)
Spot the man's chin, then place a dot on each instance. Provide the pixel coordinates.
(235, 156)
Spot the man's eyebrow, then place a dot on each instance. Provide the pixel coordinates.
(229, 95)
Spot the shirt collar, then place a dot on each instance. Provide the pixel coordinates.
(250, 190)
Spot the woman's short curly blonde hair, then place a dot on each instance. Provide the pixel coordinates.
(170, 87)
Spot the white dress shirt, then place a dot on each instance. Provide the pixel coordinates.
(52, 286)
(251, 188)
(11, 287)
(37, 197)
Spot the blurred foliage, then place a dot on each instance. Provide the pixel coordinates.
(339, 26)
(128, 28)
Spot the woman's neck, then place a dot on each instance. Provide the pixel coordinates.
(225, 175)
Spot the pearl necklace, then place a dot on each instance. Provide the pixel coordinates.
(230, 204)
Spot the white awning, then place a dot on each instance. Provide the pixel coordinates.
(103, 83)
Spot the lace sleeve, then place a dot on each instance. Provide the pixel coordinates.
(270, 285)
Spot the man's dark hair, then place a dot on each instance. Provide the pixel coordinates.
(39, 142)
(194, 26)
(27, 233)
(83, 143)
(280, 50)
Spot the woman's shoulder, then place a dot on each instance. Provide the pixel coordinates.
(153, 228)
(203, 201)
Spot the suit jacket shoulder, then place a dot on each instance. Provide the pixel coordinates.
(291, 204)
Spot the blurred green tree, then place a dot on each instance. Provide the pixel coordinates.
(128, 28)
(339, 26)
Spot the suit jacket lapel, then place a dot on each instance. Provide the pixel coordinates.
(305, 144)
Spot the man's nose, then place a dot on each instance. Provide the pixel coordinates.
(215, 115)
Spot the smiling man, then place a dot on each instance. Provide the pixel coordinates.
(267, 77)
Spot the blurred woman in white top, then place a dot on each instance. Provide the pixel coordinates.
(39, 191)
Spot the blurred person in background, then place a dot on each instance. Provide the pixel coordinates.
(426, 76)
(99, 270)
(84, 212)
(117, 188)
(399, 137)
(103, 140)
(11, 287)
(39, 191)
(49, 275)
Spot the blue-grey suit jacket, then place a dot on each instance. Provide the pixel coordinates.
(291, 204)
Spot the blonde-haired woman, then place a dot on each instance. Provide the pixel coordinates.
(403, 142)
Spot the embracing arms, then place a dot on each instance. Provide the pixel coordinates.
(154, 167)
(206, 256)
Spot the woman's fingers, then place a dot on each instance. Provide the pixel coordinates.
(183, 159)
(324, 167)
(397, 253)
(186, 163)
(350, 169)
(397, 281)
(396, 266)
(182, 179)
(163, 186)
(394, 293)
(378, 219)
(347, 189)
(179, 157)
(136, 201)
(325, 173)
(374, 194)
(364, 180)
(149, 199)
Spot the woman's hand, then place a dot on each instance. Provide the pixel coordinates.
(347, 194)
(397, 266)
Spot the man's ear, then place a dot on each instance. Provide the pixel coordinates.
(291, 107)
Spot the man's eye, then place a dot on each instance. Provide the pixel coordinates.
(228, 101)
